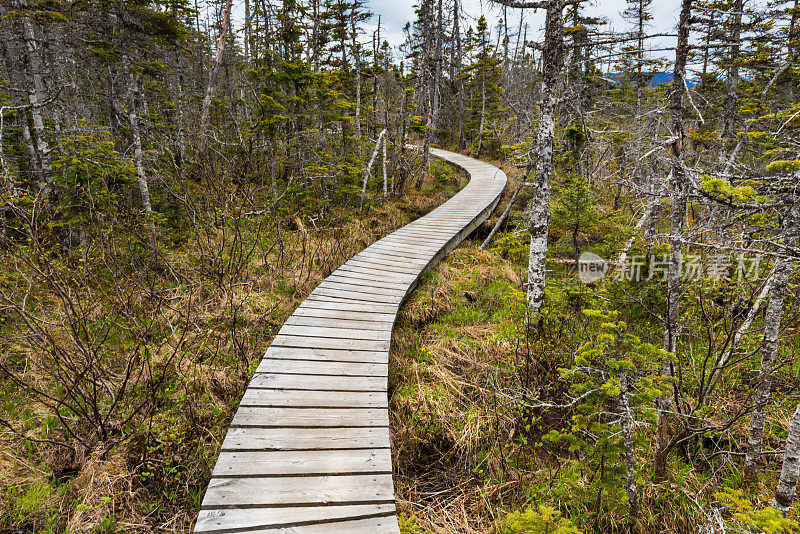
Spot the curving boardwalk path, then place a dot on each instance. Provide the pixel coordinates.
(308, 450)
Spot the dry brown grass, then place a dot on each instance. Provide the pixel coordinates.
(209, 373)
(446, 428)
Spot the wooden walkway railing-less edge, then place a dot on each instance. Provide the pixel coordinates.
(308, 450)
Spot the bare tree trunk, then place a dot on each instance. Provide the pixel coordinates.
(247, 33)
(504, 216)
(680, 195)
(769, 354)
(538, 212)
(716, 373)
(35, 90)
(25, 129)
(205, 113)
(631, 490)
(273, 175)
(505, 43)
(181, 133)
(483, 109)
(730, 103)
(357, 61)
(437, 76)
(770, 344)
(787, 484)
(133, 118)
(385, 182)
(458, 63)
(369, 168)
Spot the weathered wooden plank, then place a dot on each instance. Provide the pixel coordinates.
(344, 315)
(328, 303)
(383, 334)
(381, 525)
(317, 404)
(318, 382)
(330, 322)
(348, 286)
(345, 277)
(302, 463)
(362, 268)
(292, 439)
(347, 294)
(394, 254)
(370, 273)
(421, 247)
(424, 231)
(288, 398)
(355, 489)
(391, 254)
(381, 262)
(412, 243)
(382, 266)
(384, 285)
(410, 240)
(260, 519)
(386, 254)
(327, 355)
(328, 343)
(439, 223)
(247, 416)
(315, 367)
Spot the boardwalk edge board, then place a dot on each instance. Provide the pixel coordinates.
(308, 450)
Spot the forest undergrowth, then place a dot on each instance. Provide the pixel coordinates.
(130, 359)
(476, 452)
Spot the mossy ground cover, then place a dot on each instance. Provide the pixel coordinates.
(474, 450)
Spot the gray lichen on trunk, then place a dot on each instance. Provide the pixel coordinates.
(787, 484)
(680, 195)
(538, 212)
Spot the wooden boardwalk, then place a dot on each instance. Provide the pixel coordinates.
(308, 450)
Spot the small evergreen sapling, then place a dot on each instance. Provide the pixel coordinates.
(614, 387)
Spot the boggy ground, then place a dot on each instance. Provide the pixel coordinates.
(472, 454)
(172, 324)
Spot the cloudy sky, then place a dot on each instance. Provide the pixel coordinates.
(396, 13)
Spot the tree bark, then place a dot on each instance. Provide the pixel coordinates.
(730, 103)
(631, 490)
(133, 118)
(787, 484)
(680, 195)
(437, 76)
(769, 347)
(247, 36)
(35, 91)
(462, 143)
(369, 168)
(483, 103)
(357, 61)
(385, 181)
(211, 87)
(538, 212)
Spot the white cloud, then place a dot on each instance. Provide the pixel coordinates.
(396, 13)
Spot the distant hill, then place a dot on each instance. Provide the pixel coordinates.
(658, 78)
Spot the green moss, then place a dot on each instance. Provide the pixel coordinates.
(786, 166)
